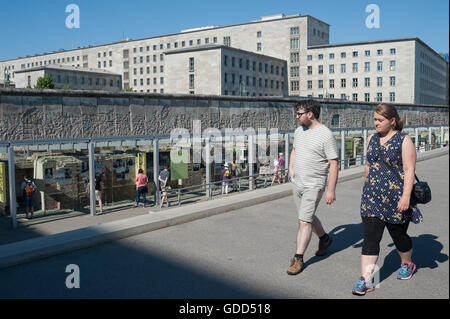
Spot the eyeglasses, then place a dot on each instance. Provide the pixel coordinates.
(299, 114)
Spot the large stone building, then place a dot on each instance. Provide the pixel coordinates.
(398, 70)
(223, 70)
(70, 77)
(300, 40)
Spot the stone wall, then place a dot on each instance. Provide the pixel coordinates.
(28, 114)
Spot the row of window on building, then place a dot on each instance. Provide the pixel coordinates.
(148, 81)
(243, 93)
(253, 81)
(331, 83)
(206, 40)
(430, 59)
(148, 59)
(343, 68)
(141, 71)
(355, 54)
(51, 61)
(267, 68)
(66, 79)
(182, 44)
(355, 97)
(431, 73)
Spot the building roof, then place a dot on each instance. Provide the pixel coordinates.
(220, 46)
(324, 46)
(68, 68)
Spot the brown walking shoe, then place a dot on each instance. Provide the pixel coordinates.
(323, 245)
(295, 267)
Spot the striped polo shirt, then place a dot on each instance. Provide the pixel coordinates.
(313, 148)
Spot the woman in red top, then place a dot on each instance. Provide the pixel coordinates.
(141, 187)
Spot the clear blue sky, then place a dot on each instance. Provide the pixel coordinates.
(29, 26)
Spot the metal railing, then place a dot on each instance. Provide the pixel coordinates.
(235, 183)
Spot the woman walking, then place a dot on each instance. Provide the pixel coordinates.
(385, 201)
(141, 187)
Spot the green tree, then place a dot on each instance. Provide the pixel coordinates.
(44, 82)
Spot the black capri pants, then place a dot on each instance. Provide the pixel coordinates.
(373, 232)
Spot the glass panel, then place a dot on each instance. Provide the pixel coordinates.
(354, 147)
(49, 180)
(423, 139)
(4, 181)
(446, 137)
(117, 164)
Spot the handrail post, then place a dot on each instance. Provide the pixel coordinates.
(208, 165)
(92, 202)
(430, 135)
(416, 134)
(365, 133)
(342, 149)
(156, 170)
(12, 186)
(251, 159)
(286, 156)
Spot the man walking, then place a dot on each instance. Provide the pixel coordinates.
(313, 160)
(163, 179)
(28, 188)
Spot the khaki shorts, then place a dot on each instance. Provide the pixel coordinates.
(307, 200)
(98, 195)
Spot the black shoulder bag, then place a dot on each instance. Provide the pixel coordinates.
(421, 192)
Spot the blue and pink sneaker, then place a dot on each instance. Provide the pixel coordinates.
(406, 271)
(362, 287)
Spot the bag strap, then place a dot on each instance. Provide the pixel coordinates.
(389, 165)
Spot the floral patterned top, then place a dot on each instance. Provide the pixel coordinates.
(382, 189)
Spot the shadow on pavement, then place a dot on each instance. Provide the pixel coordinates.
(343, 236)
(123, 269)
(426, 254)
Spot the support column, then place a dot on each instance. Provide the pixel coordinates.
(287, 155)
(251, 159)
(208, 165)
(91, 149)
(430, 136)
(416, 142)
(365, 137)
(156, 170)
(12, 186)
(342, 150)
(442, 137)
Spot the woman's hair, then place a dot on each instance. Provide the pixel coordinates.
(141, 171)
(389, 111)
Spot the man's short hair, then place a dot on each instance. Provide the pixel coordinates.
(310, 106)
